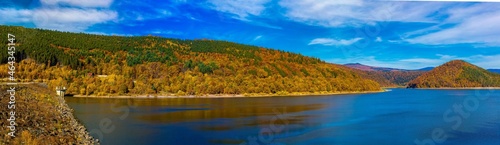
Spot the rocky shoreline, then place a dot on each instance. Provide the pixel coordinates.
(229, 95)
(42, 117)
(81, 131)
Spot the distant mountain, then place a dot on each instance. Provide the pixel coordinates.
(430, 68)
(455, 74)
(426, 69)
(370, 68)
(494, 70)
(386, 77)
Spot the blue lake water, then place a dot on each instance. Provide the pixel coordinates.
(399, 116)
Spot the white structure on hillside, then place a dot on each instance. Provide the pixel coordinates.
(61, 91)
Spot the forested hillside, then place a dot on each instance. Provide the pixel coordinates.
(390, 78)
(114, 65)
(386, 77)
(456, 73)
(371, 68)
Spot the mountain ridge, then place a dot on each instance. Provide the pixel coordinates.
(456, 74)
(356, 64)
(371, 68)
(426, 68)
(386, 77)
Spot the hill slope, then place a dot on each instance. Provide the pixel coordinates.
(44, 118)
(456, 73)
(386, 77)
(113, 65)
(370, 68)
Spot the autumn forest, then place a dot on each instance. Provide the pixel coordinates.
(113, 65)
(99, 65)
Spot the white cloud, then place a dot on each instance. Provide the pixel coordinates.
(488, 62)
(332, 42)
(357, 12)
(334, 13)
(320, 12)
(63, 15)
(257, 38)
(408, 11)
(240, 8)
(71, 15)
(142, 16)
(378, 39)
(477, 24)
(79, 3)
(426, 62)
(484, 61)
(166, 32)
(373, 61)
(71, 19)
(15, 16)
(427, 30)
(243, 10)
(447, 57)
(63, 19)
(448, 0)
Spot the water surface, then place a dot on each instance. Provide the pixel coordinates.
(399, 116)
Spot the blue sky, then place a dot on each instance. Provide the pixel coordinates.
(399, 34)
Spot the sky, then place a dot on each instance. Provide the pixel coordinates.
(409, 34)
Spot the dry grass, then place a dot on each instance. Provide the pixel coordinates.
(41, 117)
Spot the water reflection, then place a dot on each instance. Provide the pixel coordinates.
(223, 111)
(396, 117)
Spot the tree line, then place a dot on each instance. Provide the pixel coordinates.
(105, 65)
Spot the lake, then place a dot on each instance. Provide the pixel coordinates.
(399, 116)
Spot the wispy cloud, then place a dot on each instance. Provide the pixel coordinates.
(147, 10)
(429, 62)
(71, 19)
(484, 61)
(374, 61)
(257, 38)
(78, 3)
(10, 15)
(444, 0)
(143, 16)
(319, 12)
(476, 24)
(240, 9)
(332, 42)
(243, 10)
(166, 32)
(63, 15)
(357, 12)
